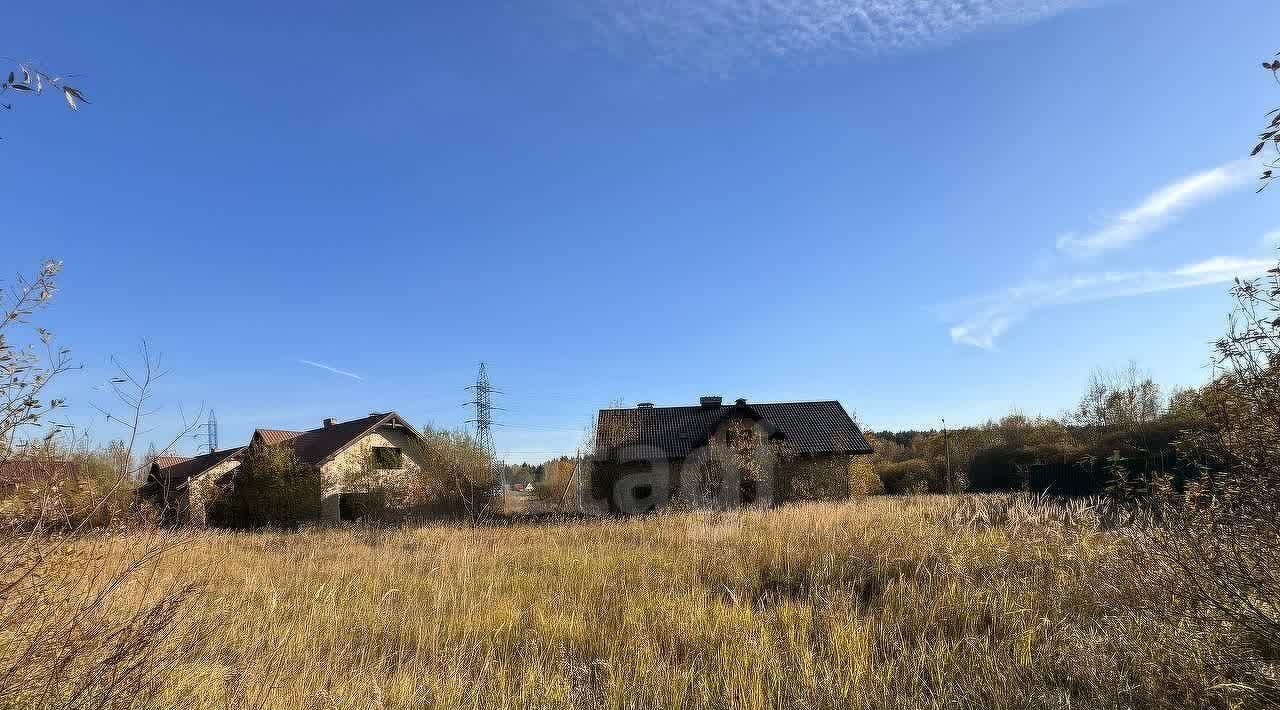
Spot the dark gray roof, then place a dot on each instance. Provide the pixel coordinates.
(807, 427)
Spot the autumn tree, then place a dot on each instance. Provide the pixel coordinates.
(1212, 571)
(557, 484)
(1212, 567)
(1118, 398)
(458, 476)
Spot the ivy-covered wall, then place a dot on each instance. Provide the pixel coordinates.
(820, 477)
(642, 486)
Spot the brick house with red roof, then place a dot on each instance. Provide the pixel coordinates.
(339, 451)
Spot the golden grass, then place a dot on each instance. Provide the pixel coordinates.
(879, 603)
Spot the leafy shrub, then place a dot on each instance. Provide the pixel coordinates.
(913, 476)
(50, 488)
(458, 477)
(271, 487)
(863, 478)
(1076, 469)
(1209, 573)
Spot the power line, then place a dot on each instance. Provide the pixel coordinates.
(540, 428)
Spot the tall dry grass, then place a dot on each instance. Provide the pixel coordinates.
(993, 601)
(80, 628)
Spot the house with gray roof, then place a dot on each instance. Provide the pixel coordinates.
(722, 454)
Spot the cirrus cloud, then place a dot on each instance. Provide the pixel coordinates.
(1157, 210)
(985, 319)
(723, 35)
(980, 322)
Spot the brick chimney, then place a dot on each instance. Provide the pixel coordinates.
(710, 401)
(330, 422)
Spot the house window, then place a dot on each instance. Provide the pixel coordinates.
(387, 457)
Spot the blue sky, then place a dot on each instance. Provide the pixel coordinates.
(921, 208)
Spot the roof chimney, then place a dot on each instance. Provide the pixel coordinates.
(741, 401)
(330, 422)
(644, 405)
(709, 400)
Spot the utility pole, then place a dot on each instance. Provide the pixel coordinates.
(575, 482)
(577, 477)
(946, 452)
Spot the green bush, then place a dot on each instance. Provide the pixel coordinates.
(270, 488)
(906, 477)
(1076, 469)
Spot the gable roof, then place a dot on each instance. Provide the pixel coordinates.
(807, 427)
(175, 476)
(271, 437)
(167, 461)
(317, 446)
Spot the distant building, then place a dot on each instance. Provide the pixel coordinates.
(722, 455)
(185, 487)
(26, 471)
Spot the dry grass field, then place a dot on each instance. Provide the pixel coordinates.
(928, 602)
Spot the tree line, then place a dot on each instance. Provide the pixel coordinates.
(1124, 425)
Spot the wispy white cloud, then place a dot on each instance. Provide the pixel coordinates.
(980, 322)
(332, 369)
(984, 320)
(1156, 211)
(1271, 239)
(723, 35)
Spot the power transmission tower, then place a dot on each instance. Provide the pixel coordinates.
(482, 399)
(207, 435)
